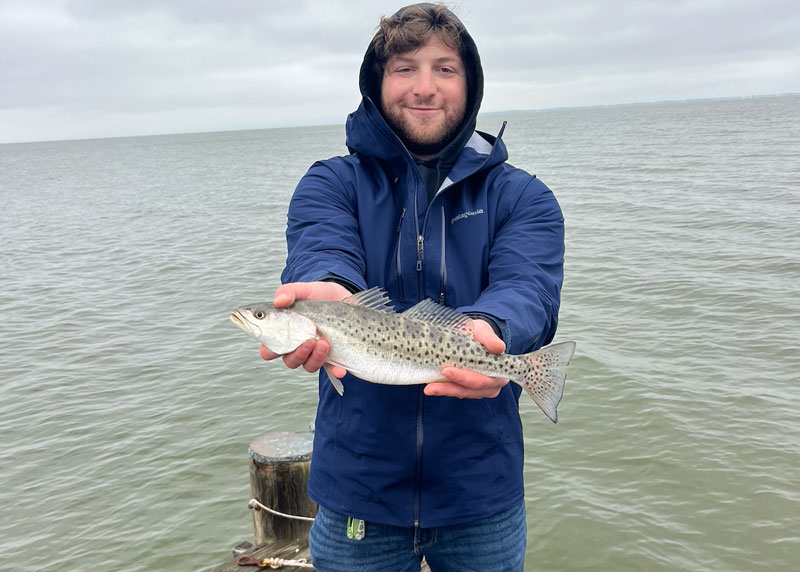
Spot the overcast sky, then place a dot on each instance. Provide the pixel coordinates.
(75, 69)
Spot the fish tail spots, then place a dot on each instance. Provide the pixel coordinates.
(544, 376)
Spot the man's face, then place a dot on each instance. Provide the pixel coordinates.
(423, 96)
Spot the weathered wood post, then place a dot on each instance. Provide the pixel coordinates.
(279, 467)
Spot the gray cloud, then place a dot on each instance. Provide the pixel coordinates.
(88, 68)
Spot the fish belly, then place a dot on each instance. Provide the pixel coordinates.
(382, 369)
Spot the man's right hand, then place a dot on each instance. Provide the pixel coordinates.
(312, 353)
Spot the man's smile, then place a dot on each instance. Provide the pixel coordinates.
(423, 110)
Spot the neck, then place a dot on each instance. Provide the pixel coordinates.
(424, 157)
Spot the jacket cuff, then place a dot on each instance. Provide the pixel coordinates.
(353, 288)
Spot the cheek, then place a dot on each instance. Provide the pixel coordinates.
(390, 92)
(458, 95)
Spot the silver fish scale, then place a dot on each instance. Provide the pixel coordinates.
(396, 349)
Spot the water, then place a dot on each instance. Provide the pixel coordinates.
(127, 401)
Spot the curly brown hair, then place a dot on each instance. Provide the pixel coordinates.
(412, 27)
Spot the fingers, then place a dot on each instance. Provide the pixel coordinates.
(464, 383)
(311, 355)
(288, 294)
(337, 371)
(266, 354)
(484, 334)
(316, 358)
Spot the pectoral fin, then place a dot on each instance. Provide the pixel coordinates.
(335, 381)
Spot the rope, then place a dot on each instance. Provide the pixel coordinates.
(274, 563)
(254, 504)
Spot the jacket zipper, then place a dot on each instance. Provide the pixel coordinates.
(398, 258)
(420, 251)
(421, 295)
(420, 435)
(421, 409)
(421, 247)
(420, 255)
(442, 265)
(420, 244)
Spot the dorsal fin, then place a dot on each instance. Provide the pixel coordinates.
(438, 315)
(375, 299)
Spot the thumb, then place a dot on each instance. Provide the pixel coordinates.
(285, 296)
(484, 334)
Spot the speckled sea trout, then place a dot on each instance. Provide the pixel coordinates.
(374, 343)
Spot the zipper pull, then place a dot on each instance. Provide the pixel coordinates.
(420, 251)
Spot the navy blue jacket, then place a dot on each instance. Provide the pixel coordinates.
(490, 243)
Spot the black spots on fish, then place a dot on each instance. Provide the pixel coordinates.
(356, 327)
(383, 326)
(533, 388)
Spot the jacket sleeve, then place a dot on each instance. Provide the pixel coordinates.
(525, 270)
(322, 235)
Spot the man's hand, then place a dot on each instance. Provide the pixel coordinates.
(471, 384)
(312, 353)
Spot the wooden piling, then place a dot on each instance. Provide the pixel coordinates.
(279, 467)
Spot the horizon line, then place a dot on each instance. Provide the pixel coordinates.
(487, 113)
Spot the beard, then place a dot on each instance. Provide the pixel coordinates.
(424, 137)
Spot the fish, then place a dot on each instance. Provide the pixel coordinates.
(374, 343)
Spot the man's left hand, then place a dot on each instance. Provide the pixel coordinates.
(463, 383)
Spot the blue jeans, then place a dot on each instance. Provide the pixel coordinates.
(496, 543)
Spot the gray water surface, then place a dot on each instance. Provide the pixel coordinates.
(127, 401)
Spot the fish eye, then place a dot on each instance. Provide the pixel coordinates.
(259, 314)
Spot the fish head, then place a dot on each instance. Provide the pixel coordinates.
(280, 329)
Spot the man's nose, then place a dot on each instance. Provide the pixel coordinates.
(425, 86)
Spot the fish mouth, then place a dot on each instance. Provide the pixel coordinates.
(237, 319)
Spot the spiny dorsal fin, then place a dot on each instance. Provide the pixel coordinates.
(438, 315)
(375, 299)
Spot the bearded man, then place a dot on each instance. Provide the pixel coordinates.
(424, 206)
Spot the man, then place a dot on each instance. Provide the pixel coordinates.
(424, 207)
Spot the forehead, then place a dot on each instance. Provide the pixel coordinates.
(433, 49)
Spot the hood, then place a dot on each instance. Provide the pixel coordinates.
(370, 77)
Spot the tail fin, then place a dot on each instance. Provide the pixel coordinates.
(544, 377)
